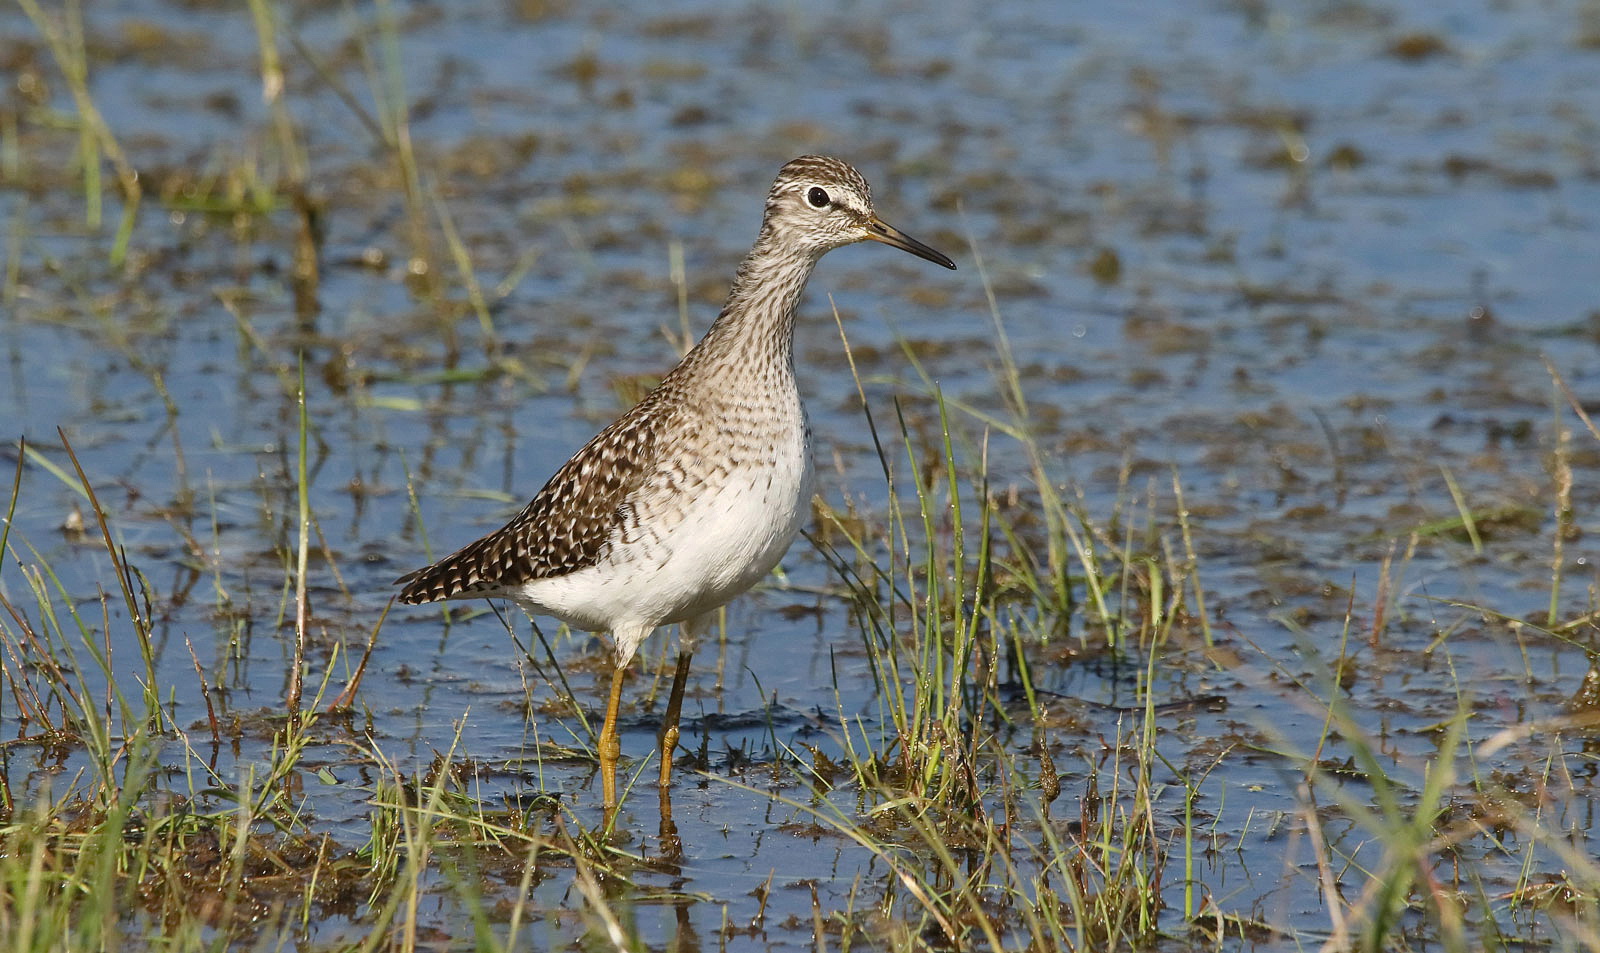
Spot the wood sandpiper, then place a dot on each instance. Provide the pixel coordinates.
(693, 496)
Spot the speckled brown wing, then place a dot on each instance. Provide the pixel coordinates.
(568, 526)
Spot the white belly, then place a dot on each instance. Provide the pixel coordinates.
(729, 541)
(726, 540)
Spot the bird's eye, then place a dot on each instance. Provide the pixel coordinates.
(818, 197)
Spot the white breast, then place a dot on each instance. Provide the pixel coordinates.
(728, 537)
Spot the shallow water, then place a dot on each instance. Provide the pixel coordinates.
(1339, 269)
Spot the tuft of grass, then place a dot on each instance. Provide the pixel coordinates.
(111, 852)
(305, 275)
(65, 39)
(956, 598)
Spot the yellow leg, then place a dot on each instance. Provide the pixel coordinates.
(609, 748)
(671, 843)
(668, 738)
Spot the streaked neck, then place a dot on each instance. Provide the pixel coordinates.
(757, 323)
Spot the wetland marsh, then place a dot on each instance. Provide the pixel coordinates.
(1208, 563)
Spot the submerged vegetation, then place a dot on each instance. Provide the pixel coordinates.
(1292, 682)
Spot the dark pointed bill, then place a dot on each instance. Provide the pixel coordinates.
(880, 231)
